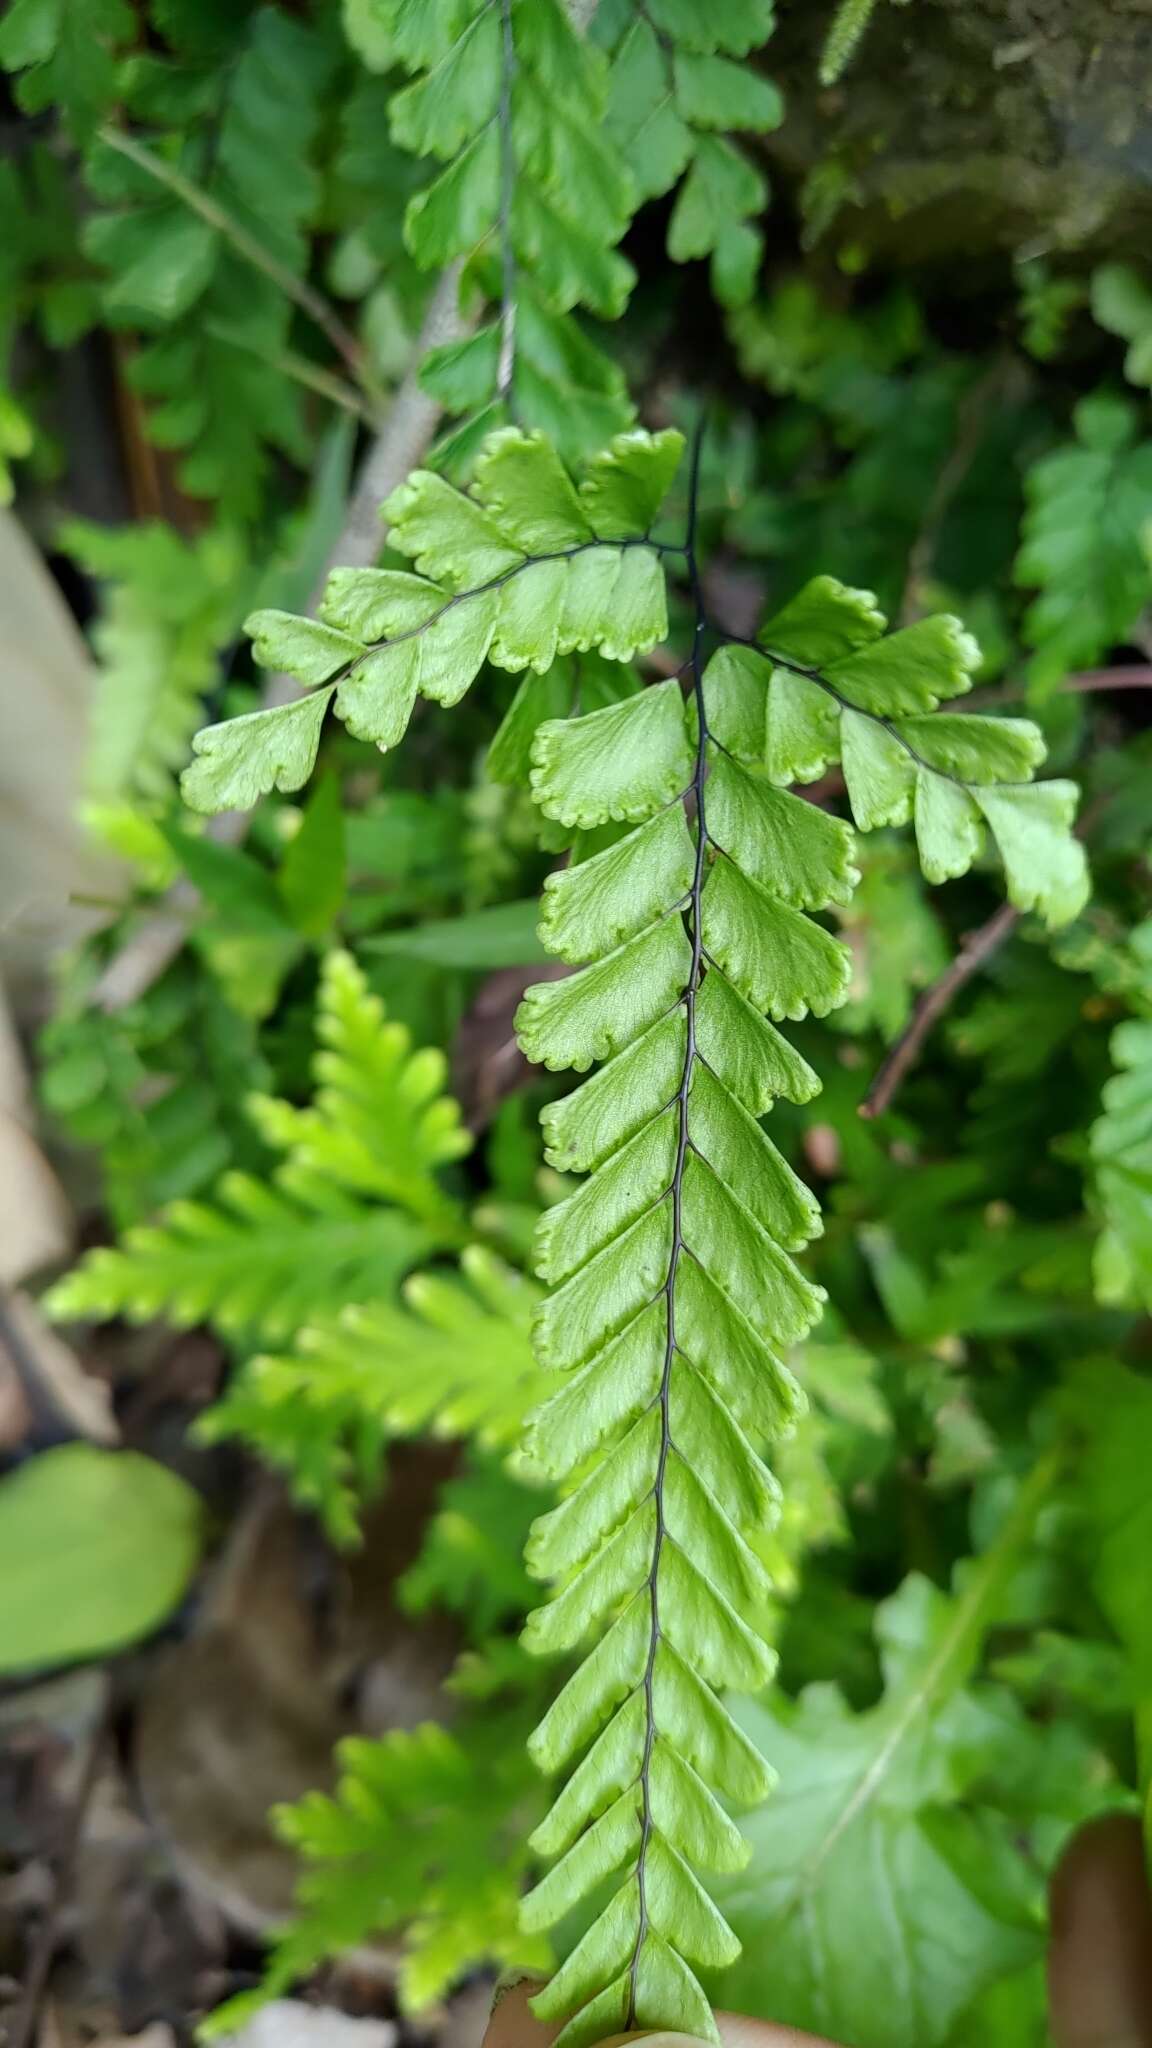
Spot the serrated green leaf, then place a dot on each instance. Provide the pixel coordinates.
(824, 622)
(803, 728)
(1047, 868)
(244, 758)
(624, 488)
(621, 763)
(777, 958)
(879, 773)
(300, 647)
(798, 852)
(590, 908)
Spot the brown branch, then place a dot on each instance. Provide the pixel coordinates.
(977, 948)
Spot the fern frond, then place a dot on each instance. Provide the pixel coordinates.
(1081, 547)
(674, 1297)
(572, 199)
(680, 85)
(456, 1360)
(380, 1123)
(524, 566)
(838, 688)
(388, 1854)
(261, 1256)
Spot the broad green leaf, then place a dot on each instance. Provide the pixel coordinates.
(798, 852)
(778, 959)
(590, 1015)
(803, 728)
(719, 94)
(501, 935)
(524, 486)
(592, 907)
(98, 1546)
(909, 671)
(879, 773)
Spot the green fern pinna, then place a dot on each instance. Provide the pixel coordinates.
(689, 910)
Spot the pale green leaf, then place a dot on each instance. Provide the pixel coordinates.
(621, 763)
(98, 1547)
(948, 833)
(777, 957)
(879, 773)
(241, 760)
(1046, 866)
(300, 647)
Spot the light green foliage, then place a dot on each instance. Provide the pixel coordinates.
(455, 1360)
(353, 1204)
(98, 1548)
(1083, 541)
(675, 1300)
(848, 25)
(525, 566)
(170, 609)
(681, 84)
(388, 1852)
(1121, 1141)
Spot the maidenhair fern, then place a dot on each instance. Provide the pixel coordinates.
(690, 911)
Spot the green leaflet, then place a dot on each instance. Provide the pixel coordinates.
(527, 565)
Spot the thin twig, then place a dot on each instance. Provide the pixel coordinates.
(301, 293)
(23, 2027)
(976, 949)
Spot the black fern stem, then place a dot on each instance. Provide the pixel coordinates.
(507, 361)
(692, 911)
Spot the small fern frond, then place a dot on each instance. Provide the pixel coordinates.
(456, 1360)
(524, 566)
(380, 1123)
(262, 1256)
(681, 86)
(387, 1854)
(839, 688)
(257, 1259)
